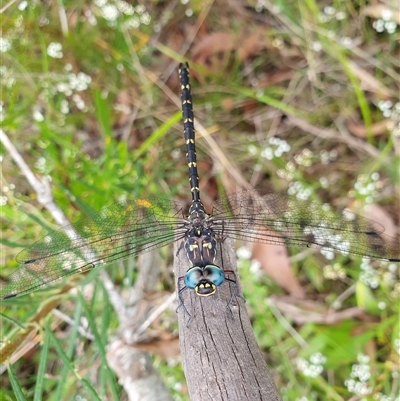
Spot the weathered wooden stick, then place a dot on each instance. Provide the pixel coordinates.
(220, 355)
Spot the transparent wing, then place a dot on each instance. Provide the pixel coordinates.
(116, 232)
(286, 220)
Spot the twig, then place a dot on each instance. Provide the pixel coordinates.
(220, 355)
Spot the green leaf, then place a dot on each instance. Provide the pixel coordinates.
(365, 298)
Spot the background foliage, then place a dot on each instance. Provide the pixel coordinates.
(296, 97)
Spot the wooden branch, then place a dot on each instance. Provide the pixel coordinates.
(220, 355)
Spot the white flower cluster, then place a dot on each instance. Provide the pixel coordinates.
(330, 13)
(389, 110)
(327, 157)
(313, 367)
(385, 23)
(304, 158)
(369, 275)
(70, 84)
(367, 186)
(243, 253)
(277, 149)
(288, 172)
(5, 45)
(297, 189)
(334, 272)
(54, 49)
(111, 11)
(360, 374)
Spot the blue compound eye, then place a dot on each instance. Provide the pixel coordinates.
(214, 274)
(193, 277)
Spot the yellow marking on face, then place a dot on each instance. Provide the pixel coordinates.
(207, 285)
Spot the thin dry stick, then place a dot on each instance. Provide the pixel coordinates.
(220, 355)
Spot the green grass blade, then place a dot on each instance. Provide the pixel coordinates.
(270, 101)
(70, 352)
(19, 395)
(159, 133)
(362, 100)
(110, 376)
(44, 354)
(67, 361)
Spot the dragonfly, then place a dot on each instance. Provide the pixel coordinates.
(131, 226)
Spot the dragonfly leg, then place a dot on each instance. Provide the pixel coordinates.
(181, 303)
(235, 292)
(179, 249)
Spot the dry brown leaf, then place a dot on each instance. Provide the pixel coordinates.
(376, 10)
(283, 75)
(275, 262)
(376, 129)
(217, 42)
(254, 44)
(245, 45)
(302, 312)
(377, 213)
(165, 348)
(124, 104)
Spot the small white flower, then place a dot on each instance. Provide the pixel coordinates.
(109, 12)
(37, 115)
(387, 14)
(5, 45)
(340, 15)
(347, 42)
(23, 5)
(390, 27)
(54, 50)
(100, 3)
(132, 23)
(243, 253)
(379, 25)
(64, 106)
(145, 18)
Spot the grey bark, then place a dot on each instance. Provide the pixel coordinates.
(220, 355)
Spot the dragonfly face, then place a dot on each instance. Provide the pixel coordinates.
(204, 280)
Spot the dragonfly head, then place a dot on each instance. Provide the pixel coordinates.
(204, 280)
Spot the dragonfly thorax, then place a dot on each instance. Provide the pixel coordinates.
(198, 221)
(201, 250)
